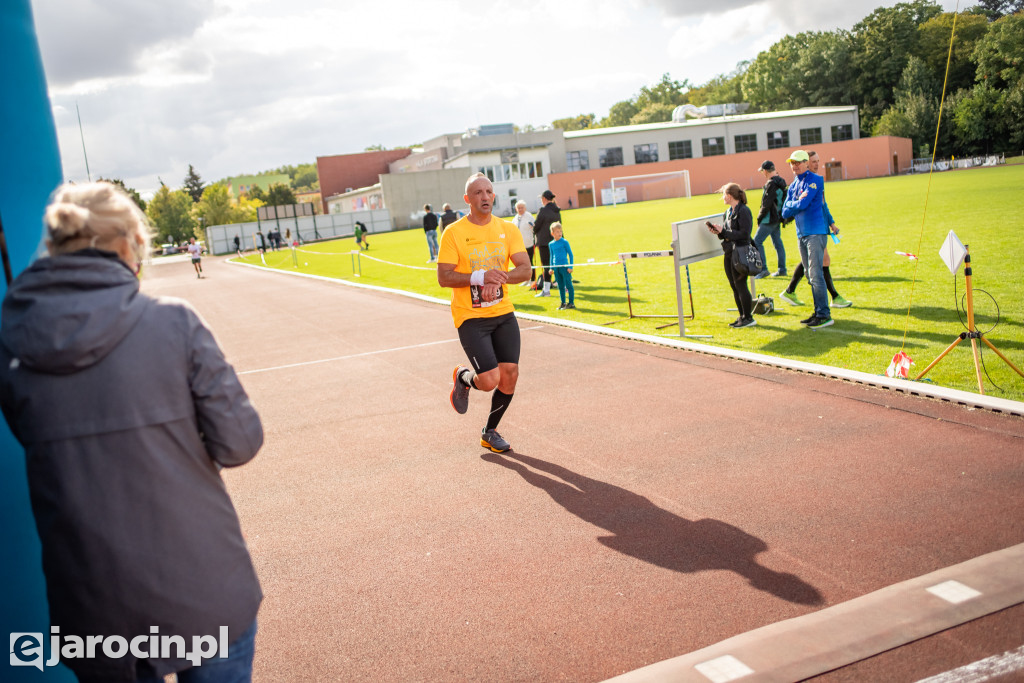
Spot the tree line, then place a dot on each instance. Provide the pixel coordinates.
(892, 65)
(179, 214)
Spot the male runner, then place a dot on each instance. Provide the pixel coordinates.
(473, 260)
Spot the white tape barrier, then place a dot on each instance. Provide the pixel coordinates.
(363, 254)
(644, 254)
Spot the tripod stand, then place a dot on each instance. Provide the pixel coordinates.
(972, 333)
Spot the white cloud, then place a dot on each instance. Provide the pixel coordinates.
(238, 86)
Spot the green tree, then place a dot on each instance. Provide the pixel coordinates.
(772, 81)
(933, 47)
(130, 191)
(245, 210)
(193, 184)
(619, 115)
(824, 70)
(666, 92)
(279, 195)
(306, 177)
(171, 215)
(976, 120)
(999, 54)
(1013, 116)
(255, 192)
(916, 110)
(883, 42)
(722, 89)
(215, 206)
(995, 9)
(656, 112)
(581, 122)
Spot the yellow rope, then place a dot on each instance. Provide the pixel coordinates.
(931, 170)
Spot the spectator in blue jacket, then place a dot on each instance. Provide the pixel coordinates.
(561, 263)
(789, 294)
(804, 205)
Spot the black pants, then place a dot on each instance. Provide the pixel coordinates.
(740, 291)
(545, 260)
(533, 271)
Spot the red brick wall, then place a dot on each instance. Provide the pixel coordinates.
(863, 158)
(343, 171)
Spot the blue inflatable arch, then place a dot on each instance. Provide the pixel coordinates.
(29, 173)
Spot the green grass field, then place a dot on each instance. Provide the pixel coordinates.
(898, 303)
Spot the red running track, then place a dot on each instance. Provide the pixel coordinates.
(657, 501)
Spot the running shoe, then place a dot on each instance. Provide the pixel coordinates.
(780, 273)
(736, 322)
(746, 322)
(492, 440)
(808, 321)
(819, 322)
(841, 302)
(460, 392)
(543, 293)
(561, 306)
(791, 299)
(570, 306)
(763, 273)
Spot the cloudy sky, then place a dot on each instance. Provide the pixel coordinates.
(242, 86)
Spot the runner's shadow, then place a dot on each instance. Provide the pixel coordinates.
(645, 531)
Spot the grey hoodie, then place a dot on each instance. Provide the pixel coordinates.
(126, 408)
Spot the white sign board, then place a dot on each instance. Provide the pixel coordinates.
(619, 197)
(695, 241)
(953, 252)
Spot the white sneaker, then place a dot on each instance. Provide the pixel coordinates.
(544, 293)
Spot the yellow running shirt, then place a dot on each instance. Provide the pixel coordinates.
(472, 247)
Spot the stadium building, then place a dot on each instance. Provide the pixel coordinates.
(698, 152)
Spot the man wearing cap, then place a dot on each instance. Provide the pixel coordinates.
(804, 204)
(769, 219)
(549, 213)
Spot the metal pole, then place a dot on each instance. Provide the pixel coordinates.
(82, 134)
(625, 274)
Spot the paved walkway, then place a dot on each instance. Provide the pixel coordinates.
(657, 501)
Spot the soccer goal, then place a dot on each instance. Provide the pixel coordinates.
(643, 188)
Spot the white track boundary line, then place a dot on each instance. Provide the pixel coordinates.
(982, 670)
(834, 637)
(965, 398)
(359, 355)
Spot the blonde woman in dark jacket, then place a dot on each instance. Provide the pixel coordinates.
(736, 233)
(127, 410)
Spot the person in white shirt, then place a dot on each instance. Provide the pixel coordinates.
(524, 221)
(196, 250)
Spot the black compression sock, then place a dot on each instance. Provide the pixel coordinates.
(798, 275)
(828, 283)
(499, 403)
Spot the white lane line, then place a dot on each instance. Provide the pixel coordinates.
(350, 356)
(363, 354)
(983, 670)
(953, 591)
(723, 669)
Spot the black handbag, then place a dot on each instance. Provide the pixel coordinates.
(746, 259)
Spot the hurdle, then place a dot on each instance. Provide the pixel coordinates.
(626, 256)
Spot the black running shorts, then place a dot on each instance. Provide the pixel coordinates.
(489, 341)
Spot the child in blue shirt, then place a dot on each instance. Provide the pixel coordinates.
(561, 262)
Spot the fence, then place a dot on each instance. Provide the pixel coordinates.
(220, 239)
(924, 165)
